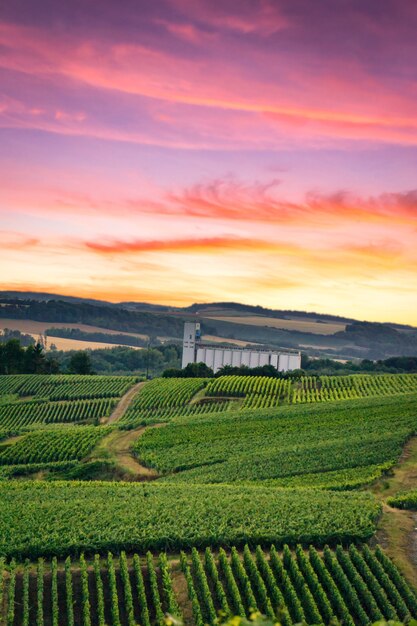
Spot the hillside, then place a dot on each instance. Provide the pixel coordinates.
(314, 334)
(123, 500)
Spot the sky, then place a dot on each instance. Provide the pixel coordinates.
(180, 151)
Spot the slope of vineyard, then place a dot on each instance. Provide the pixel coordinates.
(22, 415)
(28, 400)
(101, 516)
(65, 386)
(45, 446)
(262, 392)
(310, 444)
(355, 586)
(104, 590)
(330, 388)
(161, 399)
(240, 460)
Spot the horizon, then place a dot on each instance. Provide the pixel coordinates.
(187, 153)
(209, 303)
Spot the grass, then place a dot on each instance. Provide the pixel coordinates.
(116, 449)
(396, 529)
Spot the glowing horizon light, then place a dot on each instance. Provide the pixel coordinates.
(192, 152)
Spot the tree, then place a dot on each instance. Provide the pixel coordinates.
(12, 357)
(34, 359)
(80, 363)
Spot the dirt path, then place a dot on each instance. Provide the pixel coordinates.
(117, 447)
(124, 402)
(397, 529)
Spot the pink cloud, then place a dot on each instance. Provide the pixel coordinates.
(265, 108)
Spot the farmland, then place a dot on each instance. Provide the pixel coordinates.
(102, 516)
(295, 443)
(300, 325)
(355, 586)
(240, 462)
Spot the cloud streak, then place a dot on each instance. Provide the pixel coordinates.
(138, 144)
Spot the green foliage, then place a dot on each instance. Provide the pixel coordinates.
(40, 592)
(25, 415)
(233, 589)
(192, 370)
(25, 594)
(203, 589)
(288, 443)
(168, 591)
(80, 363)
(161, 396)
(69, 592)
(153, 581)
(15, 359)
(54, 592)
(330, 388)
(407, 500)
(143, 603)
(195, 603)
(100, 591)
(127, 589)
(61, 444)
(213, 574)
(408, 594)
(66, 387)
(303, 577)
(85, 594)
(114, 516)
(11, 594)
(114, 599)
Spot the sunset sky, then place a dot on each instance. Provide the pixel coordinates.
(179, 151)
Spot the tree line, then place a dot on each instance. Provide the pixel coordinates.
(17, 359)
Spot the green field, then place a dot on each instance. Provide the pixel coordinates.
(354, 586)
(357, 439)
(77, 516)
(238, 461)
(35, 400)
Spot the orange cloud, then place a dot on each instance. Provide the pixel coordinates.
(234, 200)
(208, 244)
(16, 241)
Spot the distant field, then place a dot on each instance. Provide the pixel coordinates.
(235, 342)
(36, 328)
(307, 326)
(76, 344)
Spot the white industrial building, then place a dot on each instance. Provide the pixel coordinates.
(194, 351)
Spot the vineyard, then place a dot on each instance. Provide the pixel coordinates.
(21, 415)
(241, 461)
(330, 388)
(406, 500)
(101, 516)
(29, 401)
(298, 443)
(356, 586)
(262, 392)
(66, 387)
(162, 398)
(45, 446)
(258, 391)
